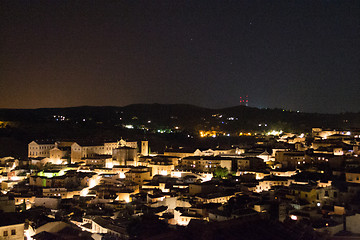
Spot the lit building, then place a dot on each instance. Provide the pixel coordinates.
(215, 197)
(271, 181)
(248, 163)
(11, 226)
(125, 155)
(84, 150)
(161, 168)
(40, 149)
(60, 192)
(144, 148)
(100, 160)
(206, 163)
(290, 159)
(186, 152)
(7, 204)
(138, 175)
(324, 134)
(353, 176)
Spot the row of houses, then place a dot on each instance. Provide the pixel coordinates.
(58, 152)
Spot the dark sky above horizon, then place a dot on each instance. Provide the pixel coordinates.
(298, 55)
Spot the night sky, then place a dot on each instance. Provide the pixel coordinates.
(298, 55)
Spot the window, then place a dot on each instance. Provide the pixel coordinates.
(13, 232)
(5, 234)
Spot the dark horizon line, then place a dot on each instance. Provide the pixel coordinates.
(173, 104)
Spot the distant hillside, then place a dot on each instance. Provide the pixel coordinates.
(187, 116)
(162, 124)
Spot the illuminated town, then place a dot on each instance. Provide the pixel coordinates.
(180, 120)
(122, 189)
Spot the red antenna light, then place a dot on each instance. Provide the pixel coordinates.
(244, 101)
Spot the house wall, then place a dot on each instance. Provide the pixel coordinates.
(353, 177)
(9, 231)
(353, 223)
(39, 150)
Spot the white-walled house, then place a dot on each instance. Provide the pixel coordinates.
(11, 226)
(39, 149)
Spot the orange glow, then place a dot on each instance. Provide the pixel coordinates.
(211, 133)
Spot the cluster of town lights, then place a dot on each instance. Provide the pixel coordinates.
(275, 133)
(213, 134)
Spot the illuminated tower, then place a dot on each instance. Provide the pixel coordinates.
(144, 148)
(244, 101)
